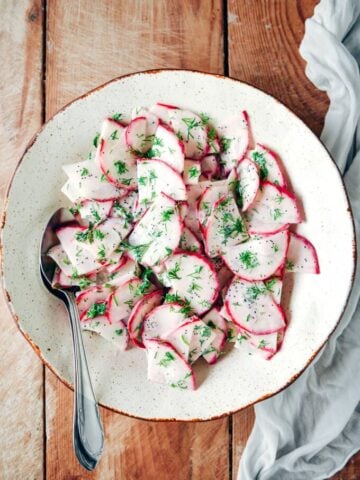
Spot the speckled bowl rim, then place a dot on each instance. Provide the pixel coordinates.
(37, 349)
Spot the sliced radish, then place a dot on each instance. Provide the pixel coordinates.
(140, 133)
(82, 260)
(162, 320)
(301, 256)
(124, 298)
(275, 285)
(165, 365)
(61, 280)
(219, 328)
(190, 129)
(189, 241)
(259, 257)
(141, 309)
(248, 183)
(214, 143)
(234, 140)
(102, 240)
(193, 194)
(115, 158)
(210, 167)
(114, 332)
(191, 339)
(162, 111)
(58, 254)
(125, 270)
(159, 230)
(156, 176)
(193, 278)
(211, 194)
(167, 147)
(191, 172)
(269, 168)
(252, 307)
(71, 191)
(225, 228)
(272, 210)
(95, 211)
(138, 209)
(87, 179)
(91, 296)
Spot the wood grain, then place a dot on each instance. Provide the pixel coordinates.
(21, 382)
(242, 424)
(263, 38)
(113, 38)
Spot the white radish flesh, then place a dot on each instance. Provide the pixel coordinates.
(219, 328)
(167, 147)
(159, 230)
(225, 228)
(165, 365)
(191, 172)
(162, 111)
(248, 183)
(88, 180)
(210, 196)
(83, 261)
(156, 176)
(141, 309)
(115, 158)
(269, 168)
(189, 241)
(252, 307)
(140, 133)
(93, 295)
(234, 140)
(259, 257)
(123, 300)
(57, 253)
(191, 130)
(125, 270)
(301, 256)
(191, 339)
(272, 210)
(115, 332)
(95, 211)
(162, 320)
(194, 278)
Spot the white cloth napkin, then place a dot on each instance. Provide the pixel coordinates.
(309, 431)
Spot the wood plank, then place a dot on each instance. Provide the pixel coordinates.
(21, 371)
(263, 40)
(114, 38)
(351, 471)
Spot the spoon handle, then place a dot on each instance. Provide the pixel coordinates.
(88, 429)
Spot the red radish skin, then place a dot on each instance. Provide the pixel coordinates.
(219, 327)
(123, 299)
(139, 312)
(301, 256)
(210, 167)
(168, 148)
(135, 134)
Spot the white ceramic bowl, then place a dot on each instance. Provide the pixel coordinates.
(237, 380)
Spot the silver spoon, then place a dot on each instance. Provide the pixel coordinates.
(88, 429)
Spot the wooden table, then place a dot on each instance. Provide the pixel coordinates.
(55, 50)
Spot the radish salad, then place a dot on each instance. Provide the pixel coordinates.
(181, 239)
